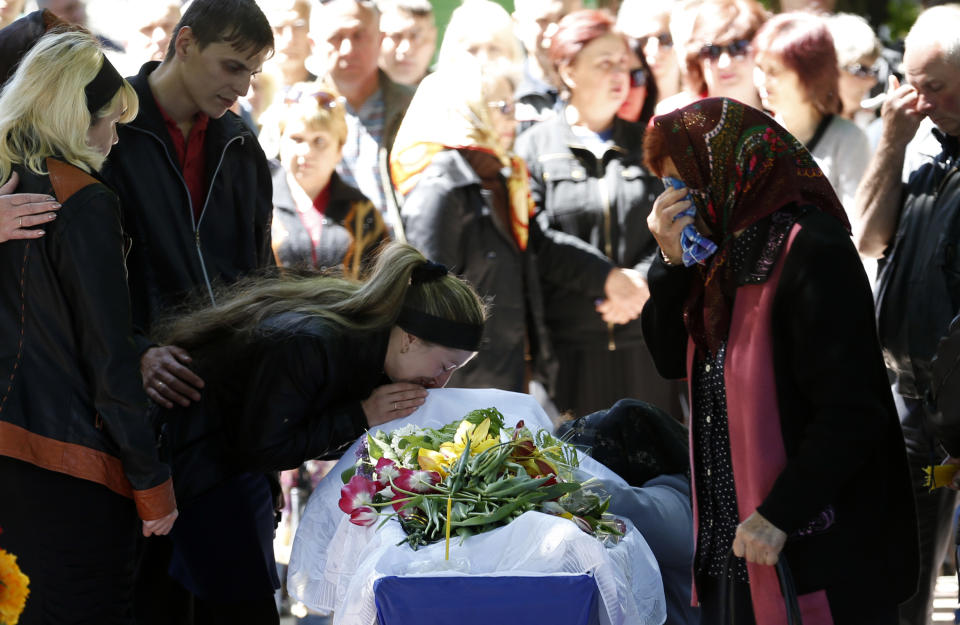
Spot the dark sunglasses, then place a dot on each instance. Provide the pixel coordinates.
(713, 52)
(663, 39)
(506, 108)
(638, 78)
(325, 99)
(862, 71)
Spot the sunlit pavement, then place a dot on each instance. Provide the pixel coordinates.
(945, 600)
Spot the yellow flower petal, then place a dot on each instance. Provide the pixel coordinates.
(430, 460)
(14, 588)
(480, 433)
(484, 445)
(460, 438)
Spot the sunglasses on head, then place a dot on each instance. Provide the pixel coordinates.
(663, 39)
(505, 108)
(862, 71)
(324, 99)
(713, 52)
(638, 78)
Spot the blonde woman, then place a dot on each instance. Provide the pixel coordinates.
(482, 29)
(78, 459)
(319, 221)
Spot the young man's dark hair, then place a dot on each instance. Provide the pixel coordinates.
(240, 23)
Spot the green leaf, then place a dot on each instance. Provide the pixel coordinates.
(348, 473)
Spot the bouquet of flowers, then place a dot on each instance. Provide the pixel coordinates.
(469, 477)
(13, 589)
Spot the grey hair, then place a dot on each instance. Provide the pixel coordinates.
(853, 38)
(417, 8)
(940, 24)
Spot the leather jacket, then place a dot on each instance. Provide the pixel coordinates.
(918, 286)
(450, 218)
(72, 399)
(604, 201)
(289, 393)
(175, 254)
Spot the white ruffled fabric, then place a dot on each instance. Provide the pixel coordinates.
(333, 563)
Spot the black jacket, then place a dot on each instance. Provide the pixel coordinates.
(352, 228)
(72, 399)
(602, 201)
(918, 286)
(839, 425)
(272, 401)
(450, 218)
(173, 253)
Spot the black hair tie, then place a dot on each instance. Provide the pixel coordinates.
(427, 272)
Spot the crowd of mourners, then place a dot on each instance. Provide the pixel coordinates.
(718, 245)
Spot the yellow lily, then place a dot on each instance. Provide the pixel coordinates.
(479, 436)
(430, 460)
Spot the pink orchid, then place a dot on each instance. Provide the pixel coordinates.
(416, 481)
(357, 493)
(385, 471)
(363, 516)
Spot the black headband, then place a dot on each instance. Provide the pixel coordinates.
(103, 87)
(445, 332)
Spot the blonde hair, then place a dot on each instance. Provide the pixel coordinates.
(43, 108)
(300, 104)
(471, 20)
(371, 304)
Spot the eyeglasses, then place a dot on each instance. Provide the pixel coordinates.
(664, 40)
(862, 71)
(638, 78)
(325, 99)
(505, 108)
(736, 50)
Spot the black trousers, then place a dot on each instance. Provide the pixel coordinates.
(847, 605)
(75, 540)
(934, 510)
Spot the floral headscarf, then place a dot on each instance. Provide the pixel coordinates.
(741, 167)
(449, 111)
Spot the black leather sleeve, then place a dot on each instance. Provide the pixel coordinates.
(88, 258)
(288, 416)
(663, 329)
(433, 218)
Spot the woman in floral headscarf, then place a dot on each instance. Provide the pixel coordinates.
(796, 448)
(468, 206)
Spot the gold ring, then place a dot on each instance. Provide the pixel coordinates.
(20, 222)
(395, 406)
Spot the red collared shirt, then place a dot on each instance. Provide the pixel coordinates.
(190, 156)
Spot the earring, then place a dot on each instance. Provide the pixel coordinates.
(404, 349)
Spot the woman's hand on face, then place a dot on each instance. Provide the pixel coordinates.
(664, 225)
(393, 401)
(758, 540)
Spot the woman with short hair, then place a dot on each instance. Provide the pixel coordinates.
(78, 457)
(718, 56)
(319, 221)
(799, 85)
(588, 181)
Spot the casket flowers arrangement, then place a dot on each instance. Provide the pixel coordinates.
(468, 477)
(13, 589)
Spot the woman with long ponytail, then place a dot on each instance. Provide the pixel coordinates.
(297, 367)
